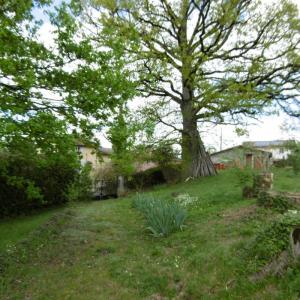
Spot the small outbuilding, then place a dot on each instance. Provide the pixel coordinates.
(242, 156)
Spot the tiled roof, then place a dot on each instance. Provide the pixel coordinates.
(265, 143)
(244, 146)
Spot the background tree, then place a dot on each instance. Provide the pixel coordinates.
(214, 60)
(46, 90)
(122, 135)
(67, 78)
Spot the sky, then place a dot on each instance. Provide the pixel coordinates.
(221, 137)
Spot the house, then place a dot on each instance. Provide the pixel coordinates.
(242, 156)
(89, 155)
(106, 181)
(278, 148)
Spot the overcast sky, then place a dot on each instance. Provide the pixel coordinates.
(265, 129)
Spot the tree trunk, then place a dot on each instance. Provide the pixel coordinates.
(196, 161)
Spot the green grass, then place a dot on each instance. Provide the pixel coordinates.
(101, 250)
(285, 180)
(14, 230)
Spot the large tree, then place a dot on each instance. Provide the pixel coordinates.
(65, 78)
(46, 89)
(213, 59)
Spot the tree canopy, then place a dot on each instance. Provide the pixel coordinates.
(198, 60)
(214, 60)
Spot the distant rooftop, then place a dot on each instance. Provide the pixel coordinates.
(243, 146)
(266, 143)
(103, 150)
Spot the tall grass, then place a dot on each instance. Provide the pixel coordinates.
(162, 217)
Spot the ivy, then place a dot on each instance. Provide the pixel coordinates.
(270, 241)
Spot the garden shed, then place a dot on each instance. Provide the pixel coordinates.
(242, 156)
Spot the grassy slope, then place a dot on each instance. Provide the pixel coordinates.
(14, 230)
(100, 250)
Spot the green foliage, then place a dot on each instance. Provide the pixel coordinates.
(294, 157)
(81, 188)
(270, 241)
(162, 217)
(38, 89)
(38, 162)
(245, 177)
(148, 178)
(172, 172)
(27, 185)
(163, 153)
(121, 134)
(278, 202)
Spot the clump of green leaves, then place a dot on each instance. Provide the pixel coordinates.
(81, 188)
(294, 156)
(162, 217)
(270, 241)
(245, 177)
(278, 202)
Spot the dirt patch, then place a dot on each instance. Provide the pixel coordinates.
(240, 213)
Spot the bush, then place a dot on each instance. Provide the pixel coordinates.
(26, 187)
(148, 178)
(162, 217)
(277, 202)
(272, 240)
(38, 161)
(159, 175)
(29, 184)
(172, 172)
(282, 163)
(245, 177)
(81, 188)
(294, 157)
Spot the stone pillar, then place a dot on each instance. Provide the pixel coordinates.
(121, 186)
(263, 181)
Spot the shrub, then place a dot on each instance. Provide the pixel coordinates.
(33, 182)
(148, 178)
(294, 157)
(172, 172)
(282, 163)
(272, 240)
(162, 217)
(27, 186)
(38, 161)
(277, 202)
(81, 188)
(245, 177)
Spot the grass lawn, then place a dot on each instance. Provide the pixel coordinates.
(14, 230)
(101, 250)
